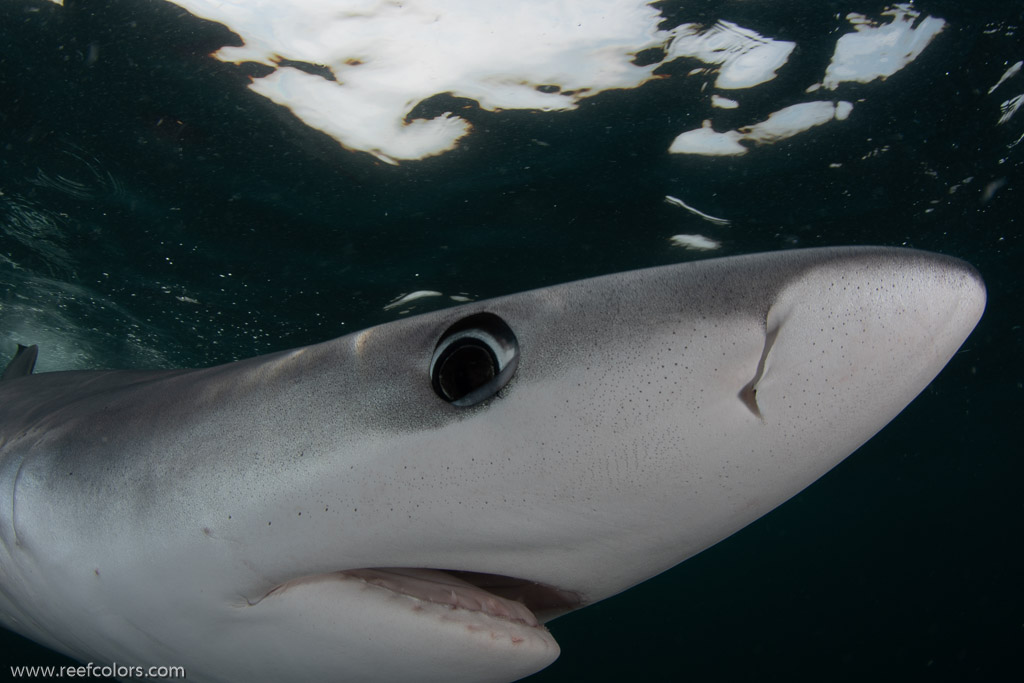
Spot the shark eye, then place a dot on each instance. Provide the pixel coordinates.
(474, 359)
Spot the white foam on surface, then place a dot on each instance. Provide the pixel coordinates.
(746, 58)
(780, 125)
(386, 58)
(371, 64)
(694, 242)
(877, 51)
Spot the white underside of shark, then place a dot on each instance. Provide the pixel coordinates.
(414, 501)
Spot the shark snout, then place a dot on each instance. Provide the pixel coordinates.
(865, 339)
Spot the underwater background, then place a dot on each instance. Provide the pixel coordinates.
(156, 210)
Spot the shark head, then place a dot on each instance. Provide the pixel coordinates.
(413, 501)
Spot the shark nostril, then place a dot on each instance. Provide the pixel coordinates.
(748, 394)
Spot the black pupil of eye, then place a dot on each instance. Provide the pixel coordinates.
(466, 366)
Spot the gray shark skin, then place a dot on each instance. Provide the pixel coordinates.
(386, 506)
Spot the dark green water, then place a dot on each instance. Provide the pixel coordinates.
(154, 212)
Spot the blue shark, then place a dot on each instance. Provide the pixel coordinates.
(415, 501)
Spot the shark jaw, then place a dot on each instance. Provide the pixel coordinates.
(456, 625)
(522, 602)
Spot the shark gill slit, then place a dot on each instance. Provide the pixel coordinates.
(748, 394)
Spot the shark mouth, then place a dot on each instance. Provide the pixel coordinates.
(504, 597)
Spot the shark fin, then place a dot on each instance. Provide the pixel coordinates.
(22, 364)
